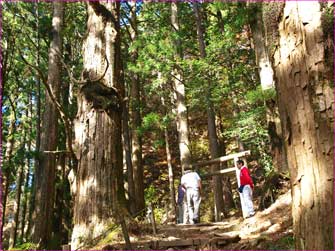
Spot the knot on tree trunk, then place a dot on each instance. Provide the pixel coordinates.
(101, 97)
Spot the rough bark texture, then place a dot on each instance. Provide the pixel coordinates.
(99, 179)
(179, 96)
(45, 174)
(212, 136)
(306, 105)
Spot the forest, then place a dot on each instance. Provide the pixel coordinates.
(107, 104)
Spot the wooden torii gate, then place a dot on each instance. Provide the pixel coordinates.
(235, 157)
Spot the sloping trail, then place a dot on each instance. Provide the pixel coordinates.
(257, 232)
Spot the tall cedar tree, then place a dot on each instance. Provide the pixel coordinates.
(99, 180)
(135, 93)
(267, 82)
(179, 93)
(305, 100)
(45, 174)
(212, 135)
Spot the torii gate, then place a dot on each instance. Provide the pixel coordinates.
(235, 157)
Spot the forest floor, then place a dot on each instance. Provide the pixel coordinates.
(268, 229)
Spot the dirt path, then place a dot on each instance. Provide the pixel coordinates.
(259, 232)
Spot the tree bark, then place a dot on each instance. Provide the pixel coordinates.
(99, 194)
(6, 179)
(29, 113)
(267, 82)
(17, 202)
(306, 106)
(262, 57)
(227, 192)
(137, 144)
(179, 94)
(45, 174)
(127, 150)
(172, 201)
(38, 127)
(212, 135)
(62, 203)
(136, 119)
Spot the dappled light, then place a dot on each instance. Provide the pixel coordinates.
(143, 125)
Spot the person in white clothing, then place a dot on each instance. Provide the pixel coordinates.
(192, 183)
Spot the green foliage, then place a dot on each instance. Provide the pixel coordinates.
(150, 195)
(272, 12)
(109, 237)
(285, 243)
(159, 214)
(150, 123)
(159, 143)
(25, 246)
(206, 207)
(260, 96)
(199, 147)
(327, 19)
(226, 76)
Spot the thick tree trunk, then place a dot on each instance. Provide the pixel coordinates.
(45, 174)
(212, 136)
(267, 82)
(179, 93)
(306, 105)
(99, 194)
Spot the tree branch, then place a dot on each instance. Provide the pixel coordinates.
(13, 107)
(66, 120)
(127, 29)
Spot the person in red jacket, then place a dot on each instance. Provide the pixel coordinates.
(245, 188)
